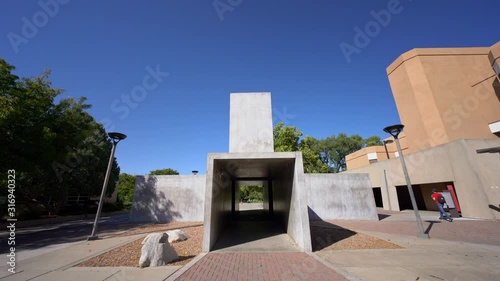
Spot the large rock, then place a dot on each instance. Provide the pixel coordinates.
(176, 235)
(155, 251)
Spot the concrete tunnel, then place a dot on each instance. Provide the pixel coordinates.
(284, 197)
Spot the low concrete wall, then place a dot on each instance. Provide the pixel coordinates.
(340, 197)
(168, 198)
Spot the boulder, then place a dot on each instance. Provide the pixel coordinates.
(155, 252)
(176, 235)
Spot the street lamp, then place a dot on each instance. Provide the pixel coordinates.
(394, 131)
(385, 146)
(195, 172)
(115, 138)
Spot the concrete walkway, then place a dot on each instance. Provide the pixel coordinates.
(463, 250)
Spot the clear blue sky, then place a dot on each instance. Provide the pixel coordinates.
(101, 49)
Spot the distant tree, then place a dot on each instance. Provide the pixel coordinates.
(126, 185)
(163, 172)
(251, 194)
(373, 141)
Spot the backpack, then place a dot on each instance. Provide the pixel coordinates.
(441, 199)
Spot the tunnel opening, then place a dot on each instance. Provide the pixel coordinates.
(266, 229)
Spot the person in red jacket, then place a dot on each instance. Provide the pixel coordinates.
(439, 199)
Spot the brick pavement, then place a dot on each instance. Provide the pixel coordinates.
(262, 266)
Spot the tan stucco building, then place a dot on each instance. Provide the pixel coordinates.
(449, 101)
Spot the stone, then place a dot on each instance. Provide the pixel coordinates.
(176, 235)
(156, 250)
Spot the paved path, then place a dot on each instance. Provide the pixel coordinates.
(260, 266)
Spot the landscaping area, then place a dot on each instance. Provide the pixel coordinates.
(324, 238)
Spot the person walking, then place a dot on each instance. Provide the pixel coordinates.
(440, 201)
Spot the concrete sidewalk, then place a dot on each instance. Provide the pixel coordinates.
(60, 265)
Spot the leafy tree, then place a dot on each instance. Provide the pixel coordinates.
(373, 141)
(126, 189)
(311, 156)
(166, 171)
(251, 194)
(286, 138)
(55, 149)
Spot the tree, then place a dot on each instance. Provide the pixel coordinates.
(126, 189)
(373, 141)
(166, 171)
(56, 149)
(311, 156)
(286, 138)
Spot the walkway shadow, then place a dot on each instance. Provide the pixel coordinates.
(151, 205)
(325, 234)
(382, 216)
(248, 227)
(493, 207)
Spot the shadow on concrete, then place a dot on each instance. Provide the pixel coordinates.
(493, 207)
(431, 224)
(252, 230)
(150, 205)
(382, 216)
(325, 234)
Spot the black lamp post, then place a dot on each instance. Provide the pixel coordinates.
(394, 131)
(195, 172)
(385, 146)
(115, 138)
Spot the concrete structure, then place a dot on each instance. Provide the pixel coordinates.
(340, 197)
(284, 171)
(449, 101)
(290, 196)
(168, 198)
(251, 123)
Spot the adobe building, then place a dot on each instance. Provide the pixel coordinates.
(291, 197)
(449, 101)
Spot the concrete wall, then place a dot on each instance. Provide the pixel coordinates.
(340, 197)
(290, 198)
(476, 177)
(251, 123)
(218, 202)
(168, 198)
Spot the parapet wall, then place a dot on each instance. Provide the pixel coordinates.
(340, 197)
(168, 198)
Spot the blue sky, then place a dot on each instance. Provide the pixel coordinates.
(102, 50)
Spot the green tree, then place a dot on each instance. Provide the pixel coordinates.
(166, 171)
(373, 141)
(54, 148)
(126, 189)
(251, 194)
(286, 138)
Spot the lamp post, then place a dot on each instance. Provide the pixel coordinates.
(115, 138)
(385, 146)
(394, 131)
(195, 172)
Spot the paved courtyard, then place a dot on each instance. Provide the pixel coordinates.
(260, 266)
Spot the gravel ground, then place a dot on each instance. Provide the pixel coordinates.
(323, 238)
(327, 238)
(129, 254)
